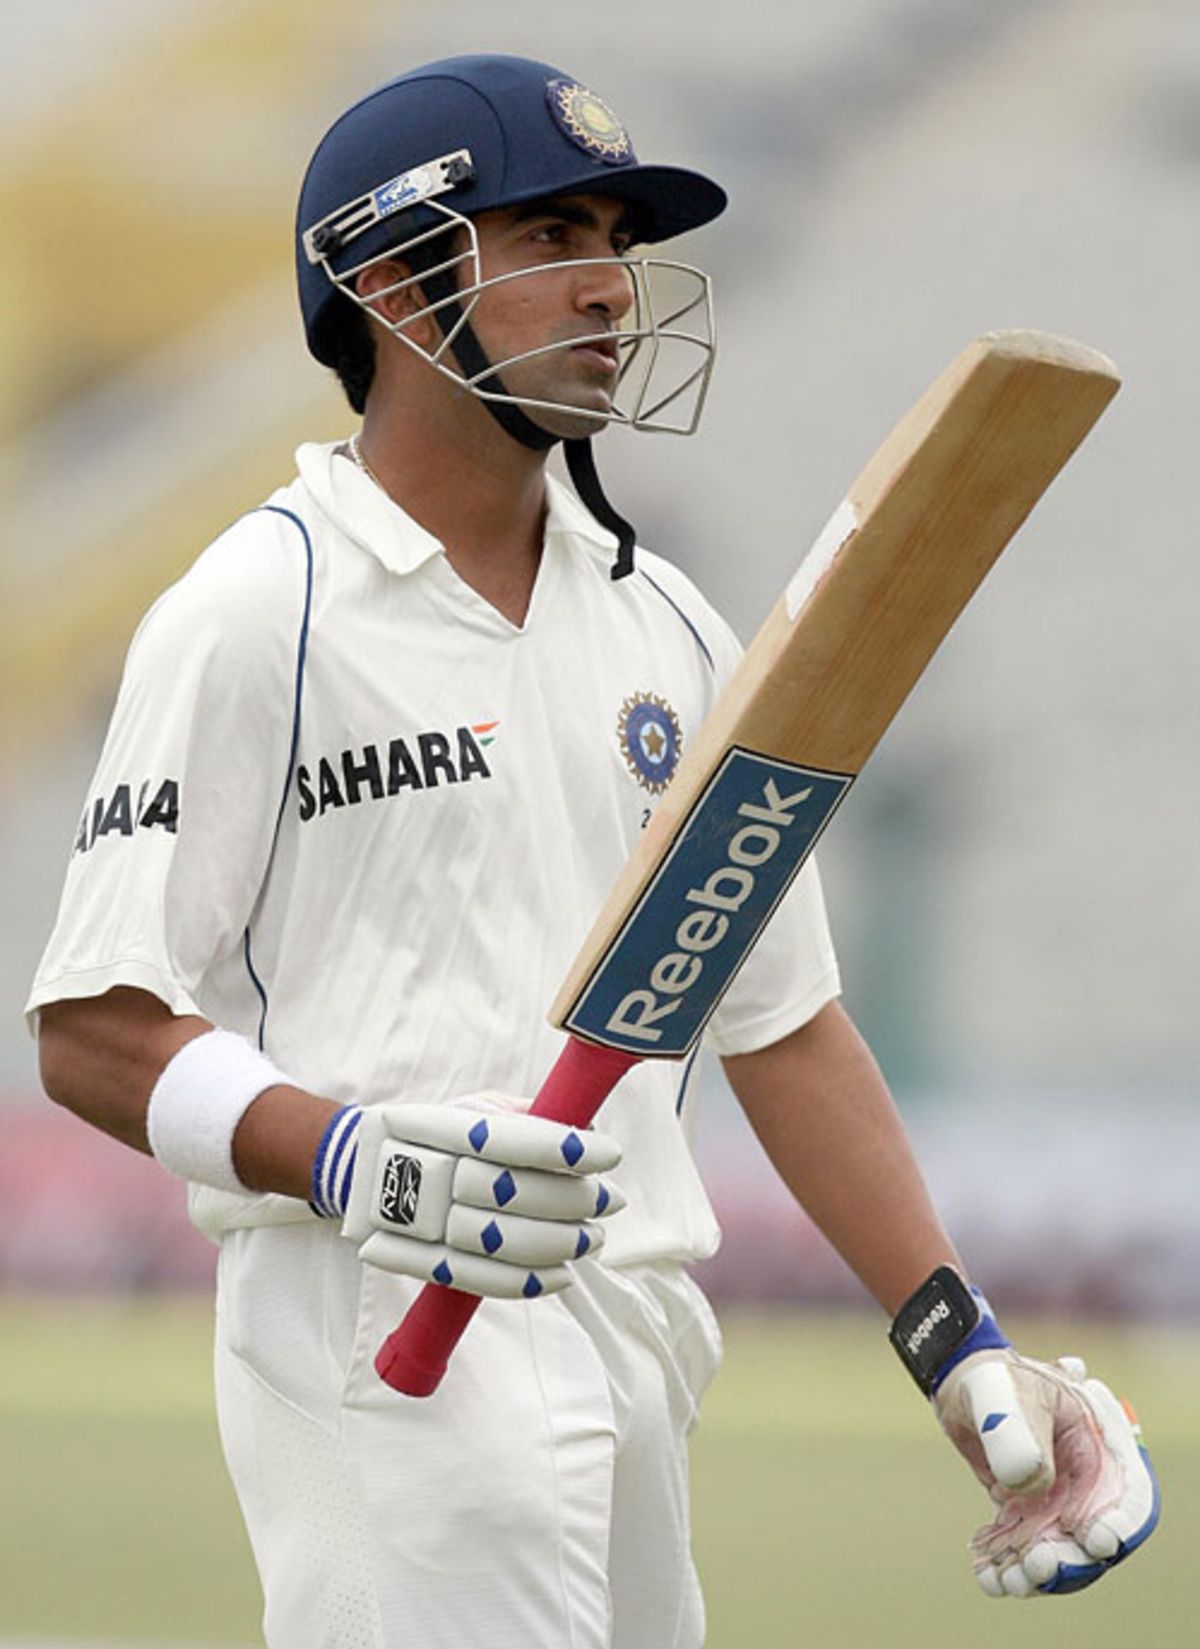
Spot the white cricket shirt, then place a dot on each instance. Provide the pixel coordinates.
(348, 809)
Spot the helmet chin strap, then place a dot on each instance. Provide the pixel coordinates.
(514, 421)
(581, 467)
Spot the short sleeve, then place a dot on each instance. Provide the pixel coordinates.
(788, 977)
(180, 820)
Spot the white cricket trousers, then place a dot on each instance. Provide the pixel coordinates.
(538, 1500)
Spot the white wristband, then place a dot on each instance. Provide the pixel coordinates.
(200, 1097)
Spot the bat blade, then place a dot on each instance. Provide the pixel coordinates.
(837, 656)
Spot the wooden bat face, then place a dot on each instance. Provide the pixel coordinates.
(837, 656)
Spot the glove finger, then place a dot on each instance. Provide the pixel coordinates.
(1073, 1577)
(1013, 1453)
(1122, 1527)
(989, 1580)
(512, 1138)
(534, 1193)
(519, 1241)
(1016, 1582)
(1122, 1530)
(473, 1273)
(1048, 1561)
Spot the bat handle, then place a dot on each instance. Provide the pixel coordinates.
(413, 1358)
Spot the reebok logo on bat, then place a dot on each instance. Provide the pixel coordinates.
(732, 858)
(714, 904)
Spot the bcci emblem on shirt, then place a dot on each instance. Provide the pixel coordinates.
(650, 739)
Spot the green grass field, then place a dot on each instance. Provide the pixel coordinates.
(829, 1513)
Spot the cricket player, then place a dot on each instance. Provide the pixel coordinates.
(374, 763)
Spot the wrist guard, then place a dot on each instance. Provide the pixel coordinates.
(940, 1325)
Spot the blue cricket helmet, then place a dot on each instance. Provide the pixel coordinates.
(489, 131)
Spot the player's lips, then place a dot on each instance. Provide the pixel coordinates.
(601, 351)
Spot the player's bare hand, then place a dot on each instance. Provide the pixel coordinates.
(478, 1196)
(1064, 1462)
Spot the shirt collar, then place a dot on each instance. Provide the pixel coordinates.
(566, 514)
(363, 511)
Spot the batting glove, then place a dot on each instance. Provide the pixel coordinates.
(473, 1195)
(1061, 1458)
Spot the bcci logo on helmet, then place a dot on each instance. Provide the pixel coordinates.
(401, 1190)
(650, 739)
(588, 121)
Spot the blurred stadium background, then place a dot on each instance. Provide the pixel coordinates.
(1012, 884)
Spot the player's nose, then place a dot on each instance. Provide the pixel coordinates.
(605, 288)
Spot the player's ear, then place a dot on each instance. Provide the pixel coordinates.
(388, 287)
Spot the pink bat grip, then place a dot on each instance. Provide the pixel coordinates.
(413, 1358)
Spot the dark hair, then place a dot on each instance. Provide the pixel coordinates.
(347, 334)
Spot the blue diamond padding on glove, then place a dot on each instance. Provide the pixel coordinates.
(493, 1202)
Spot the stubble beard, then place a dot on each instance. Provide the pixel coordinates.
(581, 405)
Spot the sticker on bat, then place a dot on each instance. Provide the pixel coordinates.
(738, 851)
(832, 538)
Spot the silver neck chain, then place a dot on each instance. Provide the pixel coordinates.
(356, 453)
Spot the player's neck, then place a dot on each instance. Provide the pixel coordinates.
(480, 493)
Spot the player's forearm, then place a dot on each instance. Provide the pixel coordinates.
(822, 1110)
(277, 1139)
(101, 1057)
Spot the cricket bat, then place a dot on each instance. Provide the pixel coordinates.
(837, 656)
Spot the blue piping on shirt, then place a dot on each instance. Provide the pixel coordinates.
(671, 602)
(681, 1096)
(301, 654)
